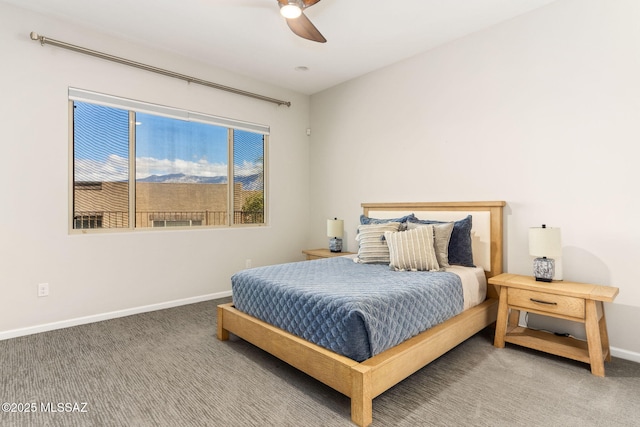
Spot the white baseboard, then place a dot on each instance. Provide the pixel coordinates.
(14, 333)
(573, 328)
(625, 354)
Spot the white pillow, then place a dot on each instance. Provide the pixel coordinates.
(412, 250)
(372, 247)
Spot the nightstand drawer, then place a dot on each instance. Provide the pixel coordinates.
(559, 305)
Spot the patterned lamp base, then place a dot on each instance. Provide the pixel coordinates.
(335, 244)
(543, 269)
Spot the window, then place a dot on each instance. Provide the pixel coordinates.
(139, 165)
(87, 220)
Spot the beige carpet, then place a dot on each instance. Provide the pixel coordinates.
(166, 368)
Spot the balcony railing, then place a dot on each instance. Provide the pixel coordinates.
(145, 219)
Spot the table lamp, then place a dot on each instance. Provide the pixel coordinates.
(335, 229)
(545, 245)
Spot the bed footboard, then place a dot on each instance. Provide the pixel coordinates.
(361, 382)
(338, 372)
(324, 365)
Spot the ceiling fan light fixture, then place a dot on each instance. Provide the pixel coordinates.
(291, 10)
(297, 21)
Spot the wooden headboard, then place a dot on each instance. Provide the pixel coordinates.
(486, 231)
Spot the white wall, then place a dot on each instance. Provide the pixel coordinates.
(541, 111)
(90, 275)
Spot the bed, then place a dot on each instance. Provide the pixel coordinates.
(364, 379)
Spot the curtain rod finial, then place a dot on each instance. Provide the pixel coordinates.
(36, 36)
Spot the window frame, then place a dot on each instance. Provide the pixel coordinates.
(133, 107)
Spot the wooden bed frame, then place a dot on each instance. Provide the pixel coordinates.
(363, 381)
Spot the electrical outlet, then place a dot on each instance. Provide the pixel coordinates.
(43, 289)
(247, 263)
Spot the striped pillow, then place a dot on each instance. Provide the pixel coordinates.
(441, 238)
(412, 250)
(372, 247)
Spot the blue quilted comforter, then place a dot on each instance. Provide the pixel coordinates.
(357, 310)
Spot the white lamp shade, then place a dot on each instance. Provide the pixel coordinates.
(335, 228)
(545, 242)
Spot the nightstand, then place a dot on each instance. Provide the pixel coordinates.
(580, 302)
(322, 253)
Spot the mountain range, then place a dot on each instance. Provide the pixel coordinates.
(249, 182)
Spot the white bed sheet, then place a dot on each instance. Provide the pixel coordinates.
(474, 283)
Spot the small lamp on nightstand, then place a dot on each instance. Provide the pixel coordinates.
(545, 245)
(335, 229)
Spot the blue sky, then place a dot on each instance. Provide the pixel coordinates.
(203, 153)
(101, 146)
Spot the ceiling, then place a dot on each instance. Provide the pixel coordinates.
(250, 37)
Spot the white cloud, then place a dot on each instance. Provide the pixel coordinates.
(115, 168)
(248, 168)
(147, 166)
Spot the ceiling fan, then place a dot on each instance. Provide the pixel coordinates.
(292, 10)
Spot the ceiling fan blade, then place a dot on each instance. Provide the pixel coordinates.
(305, 29)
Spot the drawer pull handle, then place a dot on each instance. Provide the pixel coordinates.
(543, 302)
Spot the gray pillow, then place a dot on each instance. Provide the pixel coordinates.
(441, 237)
(460, 252)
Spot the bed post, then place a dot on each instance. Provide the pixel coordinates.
(223, 334)
(361, 398)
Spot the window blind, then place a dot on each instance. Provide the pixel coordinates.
(83, 95)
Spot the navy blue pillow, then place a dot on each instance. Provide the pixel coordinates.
(460, 252)
(367, 220)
